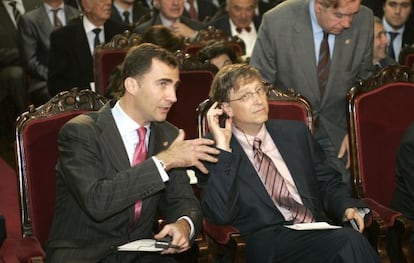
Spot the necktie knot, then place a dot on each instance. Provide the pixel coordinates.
(240, 29)
(256, 144)
(142, 131)
(126, 17)
(393, 35)
(57, 23)
(13, 4)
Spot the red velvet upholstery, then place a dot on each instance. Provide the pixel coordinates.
(105, 61)
(380, 110)
(37, 153)
(194, 87)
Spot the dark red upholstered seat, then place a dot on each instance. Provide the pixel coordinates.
(380, 110)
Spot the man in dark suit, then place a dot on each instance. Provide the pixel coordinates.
(380, 59)
(287, 53)
(72, 47)
(403, 198)
(99, 183)
(240, 20)
(204, 10)
(129, 12)
(271, 173)
(171, 16)
(35, 28)
(396, 23)
(12, 78)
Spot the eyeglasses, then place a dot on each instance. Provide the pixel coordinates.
(248, 96)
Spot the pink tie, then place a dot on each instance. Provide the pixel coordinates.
(192, 10)
(276, 186)
(139, 155)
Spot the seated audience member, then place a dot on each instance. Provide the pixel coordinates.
(240, 21)
(270, 174)
(380, 57)
(163, 37)
(403, 198)
(200, 10)
(128, 12)
(72, 47)
(218, 53)
(35, 28)
(396, 23)
(171, 16)
(12, 75)
(121, 169)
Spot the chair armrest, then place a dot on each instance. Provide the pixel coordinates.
(387, 214)
(29, 250)
(220, 233)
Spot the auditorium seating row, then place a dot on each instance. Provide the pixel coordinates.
(380, 109)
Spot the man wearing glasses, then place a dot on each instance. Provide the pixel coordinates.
(319, 48)
(271, 174)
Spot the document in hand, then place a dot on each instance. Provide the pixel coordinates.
(144, 245)
(312, 226)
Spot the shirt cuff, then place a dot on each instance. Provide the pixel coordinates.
(160, 167)
(190, 222)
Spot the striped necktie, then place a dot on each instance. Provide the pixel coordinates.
(57, 23)
(324, 64)
(276, 186)
(16, 13)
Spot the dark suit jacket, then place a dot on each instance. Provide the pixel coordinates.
(97, 189)
(138, 12)
(71, 62)
(408, 35)
(193, 24)
(223, 23)
(233, 193)
(35, 29)
(284, 53)
(403, 198)
(206, 9)
(9, 47)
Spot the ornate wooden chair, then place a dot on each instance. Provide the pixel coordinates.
(110, 55)
(212, 33)
(380, 109)
(37, 153)
(224, 240)
(406, 56)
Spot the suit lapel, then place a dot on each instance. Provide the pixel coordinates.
(306, 50)
(110, 139)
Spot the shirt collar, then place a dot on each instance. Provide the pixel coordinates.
(389, 28)
(89, 26)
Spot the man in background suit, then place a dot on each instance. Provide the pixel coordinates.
(72, 47)
(204, 10)
(380, 59)
(129, 12)
(396, 21)
(238, 191)
(287, 52)
(12, 78)
(240, 21)
(171, 16)
(403, 198)
(99, 182)
(35, 28)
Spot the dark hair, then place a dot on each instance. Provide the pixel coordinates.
(163, 37)
(231, 77)
(214, 49)
(138, 60)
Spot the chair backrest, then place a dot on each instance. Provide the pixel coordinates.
(212, 33)
(194, 87)
(37, 152)
(285, 105)
(406, 56)
(110, 55)
(380, 110)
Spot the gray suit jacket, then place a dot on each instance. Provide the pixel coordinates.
(97, 189)
(35, 29)
(284, 54)
(9, 52)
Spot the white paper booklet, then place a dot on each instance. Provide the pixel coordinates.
(312, 226)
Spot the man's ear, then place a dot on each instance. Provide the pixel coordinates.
(131, 85)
